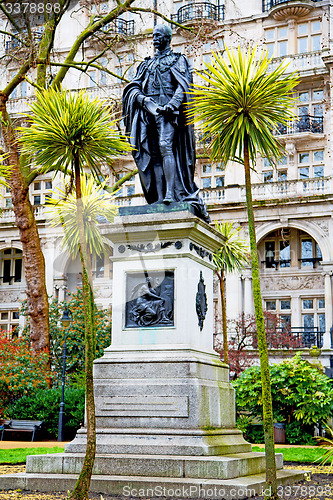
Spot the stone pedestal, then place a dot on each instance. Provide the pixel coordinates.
(165, 409)
(160, 387)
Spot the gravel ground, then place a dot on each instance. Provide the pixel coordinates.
(318, 485)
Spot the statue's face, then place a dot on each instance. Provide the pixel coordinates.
(160, 40)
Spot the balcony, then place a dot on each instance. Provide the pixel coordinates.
(292, 189)
(295, 188)
(283, 9)
(298, 337)
(15, 44)
(120, 27)
(309, 61)
(199, 11)
(12, 45)
(305, 123)
(16, 106)
(7, 215)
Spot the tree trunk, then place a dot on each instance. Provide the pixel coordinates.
(224, 317)
(33, 258)
(271, 482)
(81, 489)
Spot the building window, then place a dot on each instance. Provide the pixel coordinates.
(11, 266)
(211, 175)
(313, 316)
(277, 41)
(128, 187)
(270, 254)
(282, 307)
(270, 305)
(99, 266)
(41, 191)
(310, 102)
(309, 37)
(9, 322)
(310, 252)
(311, 164)
(289, 247)
(268, 176)
(284, 254)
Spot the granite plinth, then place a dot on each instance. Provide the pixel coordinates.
(163, 402)
(223, 467)
(157, 208)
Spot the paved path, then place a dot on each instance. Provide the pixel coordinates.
(7, 445)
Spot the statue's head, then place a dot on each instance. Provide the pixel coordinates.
(162, 35)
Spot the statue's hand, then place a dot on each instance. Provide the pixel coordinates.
(166, 110)
(150, 105)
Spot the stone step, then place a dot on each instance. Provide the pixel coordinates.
(148, 487)
(217, 467)
(160, 441)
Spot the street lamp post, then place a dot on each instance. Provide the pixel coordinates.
(66, 322)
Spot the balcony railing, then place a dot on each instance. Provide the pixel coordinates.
(269, 4)
(14, 43)
(7, 214)
(21, 105)
(298, 337)
(120, 27)
(308, 61)
(197, 11)
(290, 189)
(306, 123)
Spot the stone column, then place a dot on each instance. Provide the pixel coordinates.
(248, 295)
(328, 310)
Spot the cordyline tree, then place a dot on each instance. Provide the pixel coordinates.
(71, 132)
(30, 57)
(239, 110)
(230, 257)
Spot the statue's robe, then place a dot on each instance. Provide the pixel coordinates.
(139, 128)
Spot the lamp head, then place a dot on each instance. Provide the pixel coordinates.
(66, 319)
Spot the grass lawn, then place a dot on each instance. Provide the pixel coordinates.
(19, 455)
(296, 454)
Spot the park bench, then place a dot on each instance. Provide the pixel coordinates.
(21, 426)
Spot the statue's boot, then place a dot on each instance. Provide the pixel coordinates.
(168, 198)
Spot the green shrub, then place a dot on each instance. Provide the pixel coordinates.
(45, 404)
(22, 371)
(300, 393)
(296, 433)
(75, 335)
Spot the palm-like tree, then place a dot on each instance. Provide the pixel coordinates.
(96, 204)
(69, 132)
(239, 109)
(230, 257)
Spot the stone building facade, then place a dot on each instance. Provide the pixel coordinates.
(293, 202)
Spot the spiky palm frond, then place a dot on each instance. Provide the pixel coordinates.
(96, 203)
(4, 170)
(233, 254)
(242, 98)
(64, 125)
(326, 443)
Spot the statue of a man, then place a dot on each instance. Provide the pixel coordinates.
(154, 116)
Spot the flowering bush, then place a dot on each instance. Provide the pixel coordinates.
(75, 335)
(22, 371)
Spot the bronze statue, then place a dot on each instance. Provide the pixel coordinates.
(154, 115)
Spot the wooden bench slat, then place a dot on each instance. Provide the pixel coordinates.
(21, 426)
